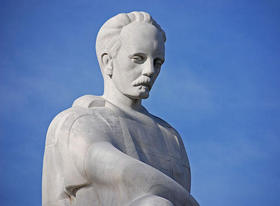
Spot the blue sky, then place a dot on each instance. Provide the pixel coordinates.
(219, 87)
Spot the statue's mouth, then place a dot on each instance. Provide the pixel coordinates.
(146, 85)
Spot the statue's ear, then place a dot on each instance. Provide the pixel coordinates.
(107, 64)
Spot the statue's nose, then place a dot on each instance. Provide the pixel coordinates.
(149, 68)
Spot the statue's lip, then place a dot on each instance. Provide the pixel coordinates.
(144, 84)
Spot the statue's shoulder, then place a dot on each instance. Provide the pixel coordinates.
(164, 124)
(89, 101)
(176, 137)
(87, 106)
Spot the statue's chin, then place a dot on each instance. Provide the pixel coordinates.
(141, 95)
(144, 92)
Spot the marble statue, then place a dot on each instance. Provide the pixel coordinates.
(109, 150)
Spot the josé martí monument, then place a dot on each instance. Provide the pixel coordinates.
(109, 150)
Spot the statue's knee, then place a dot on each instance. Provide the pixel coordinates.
(151, 200)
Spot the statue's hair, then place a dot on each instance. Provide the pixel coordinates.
(108, 40)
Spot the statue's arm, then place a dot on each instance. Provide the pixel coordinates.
(107, 165)
(102, 163)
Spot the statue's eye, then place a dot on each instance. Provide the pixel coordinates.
(158, 62)
(139, 59)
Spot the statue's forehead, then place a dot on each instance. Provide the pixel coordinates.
(135, 27)
(141, 35)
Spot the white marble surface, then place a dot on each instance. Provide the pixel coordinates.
(109, 150)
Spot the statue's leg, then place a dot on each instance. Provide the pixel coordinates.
(151, 200)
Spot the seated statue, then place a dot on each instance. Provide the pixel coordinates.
(109, 150)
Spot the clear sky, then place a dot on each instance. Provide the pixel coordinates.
(219, 88)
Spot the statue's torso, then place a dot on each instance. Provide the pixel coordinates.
(147, 139)
(141, 136)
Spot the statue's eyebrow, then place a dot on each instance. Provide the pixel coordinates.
(137, 54)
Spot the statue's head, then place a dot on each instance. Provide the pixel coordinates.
(130, 51)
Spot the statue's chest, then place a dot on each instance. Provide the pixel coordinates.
(153, 144)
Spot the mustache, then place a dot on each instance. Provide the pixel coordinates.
(143, 80)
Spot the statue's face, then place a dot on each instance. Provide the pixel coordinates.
(139, 59)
